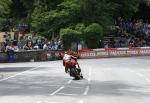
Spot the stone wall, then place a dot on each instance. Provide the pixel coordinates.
(28, 56)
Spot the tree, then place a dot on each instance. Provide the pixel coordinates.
(147, 2)
(80, 27)
(92, 34)
(65, 14)
(68, 36)
(74, 15)
(29, 5)
(4, 10)
(18, 10)
(97, 11)
(126, 8)
(54, 17)
(5, 7)
(37, 16)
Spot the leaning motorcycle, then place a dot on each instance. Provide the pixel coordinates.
(73, 70)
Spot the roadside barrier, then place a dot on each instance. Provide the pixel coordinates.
(31, 56)
(49, 55)
(114, 52)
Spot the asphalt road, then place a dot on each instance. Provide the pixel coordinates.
(109, 80)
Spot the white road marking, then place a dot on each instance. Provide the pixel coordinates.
(81, 101)
(59, 89)
(89, 80)
(69, 82)
(18, 74)
(68, 94)
(86, 90)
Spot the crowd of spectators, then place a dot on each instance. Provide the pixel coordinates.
(125, 33)
(25, 41)
(41, 44)
(30, 44)
(129, 33)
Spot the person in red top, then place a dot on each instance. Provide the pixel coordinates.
(66, 61)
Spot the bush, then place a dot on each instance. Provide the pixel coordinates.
(92, 34)
(68, 36)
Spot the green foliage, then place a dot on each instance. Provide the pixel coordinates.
(91, 18)
(147, 2)
(17, 10)
(29, 4)
(4, 10)
(93, 33)
(4, 7)
(71, 13)
(126, 8)
(38, 37)
(37, 17)
(80, 27)
(51, 21)
(68, 36)
(98, 11)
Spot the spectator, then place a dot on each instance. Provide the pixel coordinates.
(55, 46)
(10, 53)
(19, 44)
(45, 47)
(36, 47)
(27, 46)
(126, 29)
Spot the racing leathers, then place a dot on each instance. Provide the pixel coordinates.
(67, 58)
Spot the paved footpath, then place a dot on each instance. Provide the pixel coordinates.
(109, 80)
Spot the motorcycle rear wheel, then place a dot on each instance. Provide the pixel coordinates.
(74, 73)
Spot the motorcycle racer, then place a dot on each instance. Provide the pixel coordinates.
(67, 58)
(70, 62)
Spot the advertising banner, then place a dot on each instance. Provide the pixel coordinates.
(120, 52)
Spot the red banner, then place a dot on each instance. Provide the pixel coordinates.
(120, 52)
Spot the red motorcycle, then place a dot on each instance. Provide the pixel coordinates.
(71, 65)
